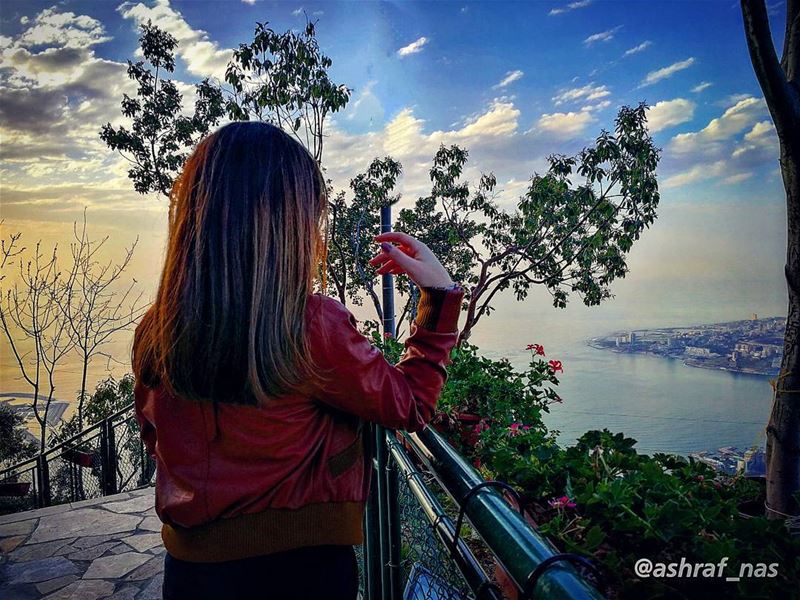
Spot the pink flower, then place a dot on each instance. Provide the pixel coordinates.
(700, 478)
(481, 426)
(517, 428)
(555, 366)
(537, 348)
(387, 335)
(563, 502)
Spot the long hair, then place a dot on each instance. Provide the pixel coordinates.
(245, 247)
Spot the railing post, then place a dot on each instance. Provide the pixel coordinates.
(372, 538)
(108, 473)
(111, 477)
(388, 490)
(43, 481)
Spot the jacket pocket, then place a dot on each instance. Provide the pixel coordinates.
(346, 458)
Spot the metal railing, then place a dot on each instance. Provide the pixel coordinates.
(106, 458)
(438, 493)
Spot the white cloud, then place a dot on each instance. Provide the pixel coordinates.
(250, 2)
(413, 47)
(659, 74)
(603, 36)
(701, 86)
(696, 173)
(63, 29)
(569, 7)
(761, 142)
(202, 56)
(564, 125)
(716, 151)
(668, 113)
(720, 130)
(588, 92)
(510, 78)
(737, 178)
(636, 49)
(298, 11)
(492, 137)
(597, 106)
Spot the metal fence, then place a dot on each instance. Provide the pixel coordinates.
(456, 531)
(106, 458)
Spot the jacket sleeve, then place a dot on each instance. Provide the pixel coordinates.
(147, 430)
(359, 380)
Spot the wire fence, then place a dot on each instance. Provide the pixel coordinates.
(106, 458)
(427, 566)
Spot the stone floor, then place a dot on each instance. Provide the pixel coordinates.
(103, 548)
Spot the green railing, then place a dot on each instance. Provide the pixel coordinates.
(420, 550)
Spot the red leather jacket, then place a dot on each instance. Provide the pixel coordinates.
(235, 481)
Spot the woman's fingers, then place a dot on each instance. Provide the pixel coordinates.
(390, 267)
(409, 244)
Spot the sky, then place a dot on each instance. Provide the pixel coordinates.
(511, 82)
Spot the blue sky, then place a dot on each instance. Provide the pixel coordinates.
(512, 82)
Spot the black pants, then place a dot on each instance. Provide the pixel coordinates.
(316, 572)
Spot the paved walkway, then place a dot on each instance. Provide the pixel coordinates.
(103, 548)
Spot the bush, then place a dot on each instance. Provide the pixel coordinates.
(599, 497)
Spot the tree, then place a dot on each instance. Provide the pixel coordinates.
(110, 396)
(157, 143)
(15, 442)
(30, 316)
(94, 307)
(569, 238)
(781, 87)
(283, 79)
(353, 226)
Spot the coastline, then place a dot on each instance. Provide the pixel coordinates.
(593, 343)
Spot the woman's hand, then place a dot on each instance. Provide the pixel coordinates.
(412, 257)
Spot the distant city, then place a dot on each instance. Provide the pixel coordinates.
(750, 462)
(753, 346)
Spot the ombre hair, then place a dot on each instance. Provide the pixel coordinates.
(245, 248)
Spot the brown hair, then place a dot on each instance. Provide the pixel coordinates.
(245, 246)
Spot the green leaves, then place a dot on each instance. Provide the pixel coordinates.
(570, 236)
(283, 79)
(160, 136)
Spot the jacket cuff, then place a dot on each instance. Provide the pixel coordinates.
(438, 309)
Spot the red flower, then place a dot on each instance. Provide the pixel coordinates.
(555, 366)
(563, 502)
(537, 348)
(481, 426)
(517, 428)
(387, 335)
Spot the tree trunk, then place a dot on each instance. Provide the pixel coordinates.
(82, 397)
(778, 81)
(783, 431)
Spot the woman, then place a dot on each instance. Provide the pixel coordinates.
(252, 390)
